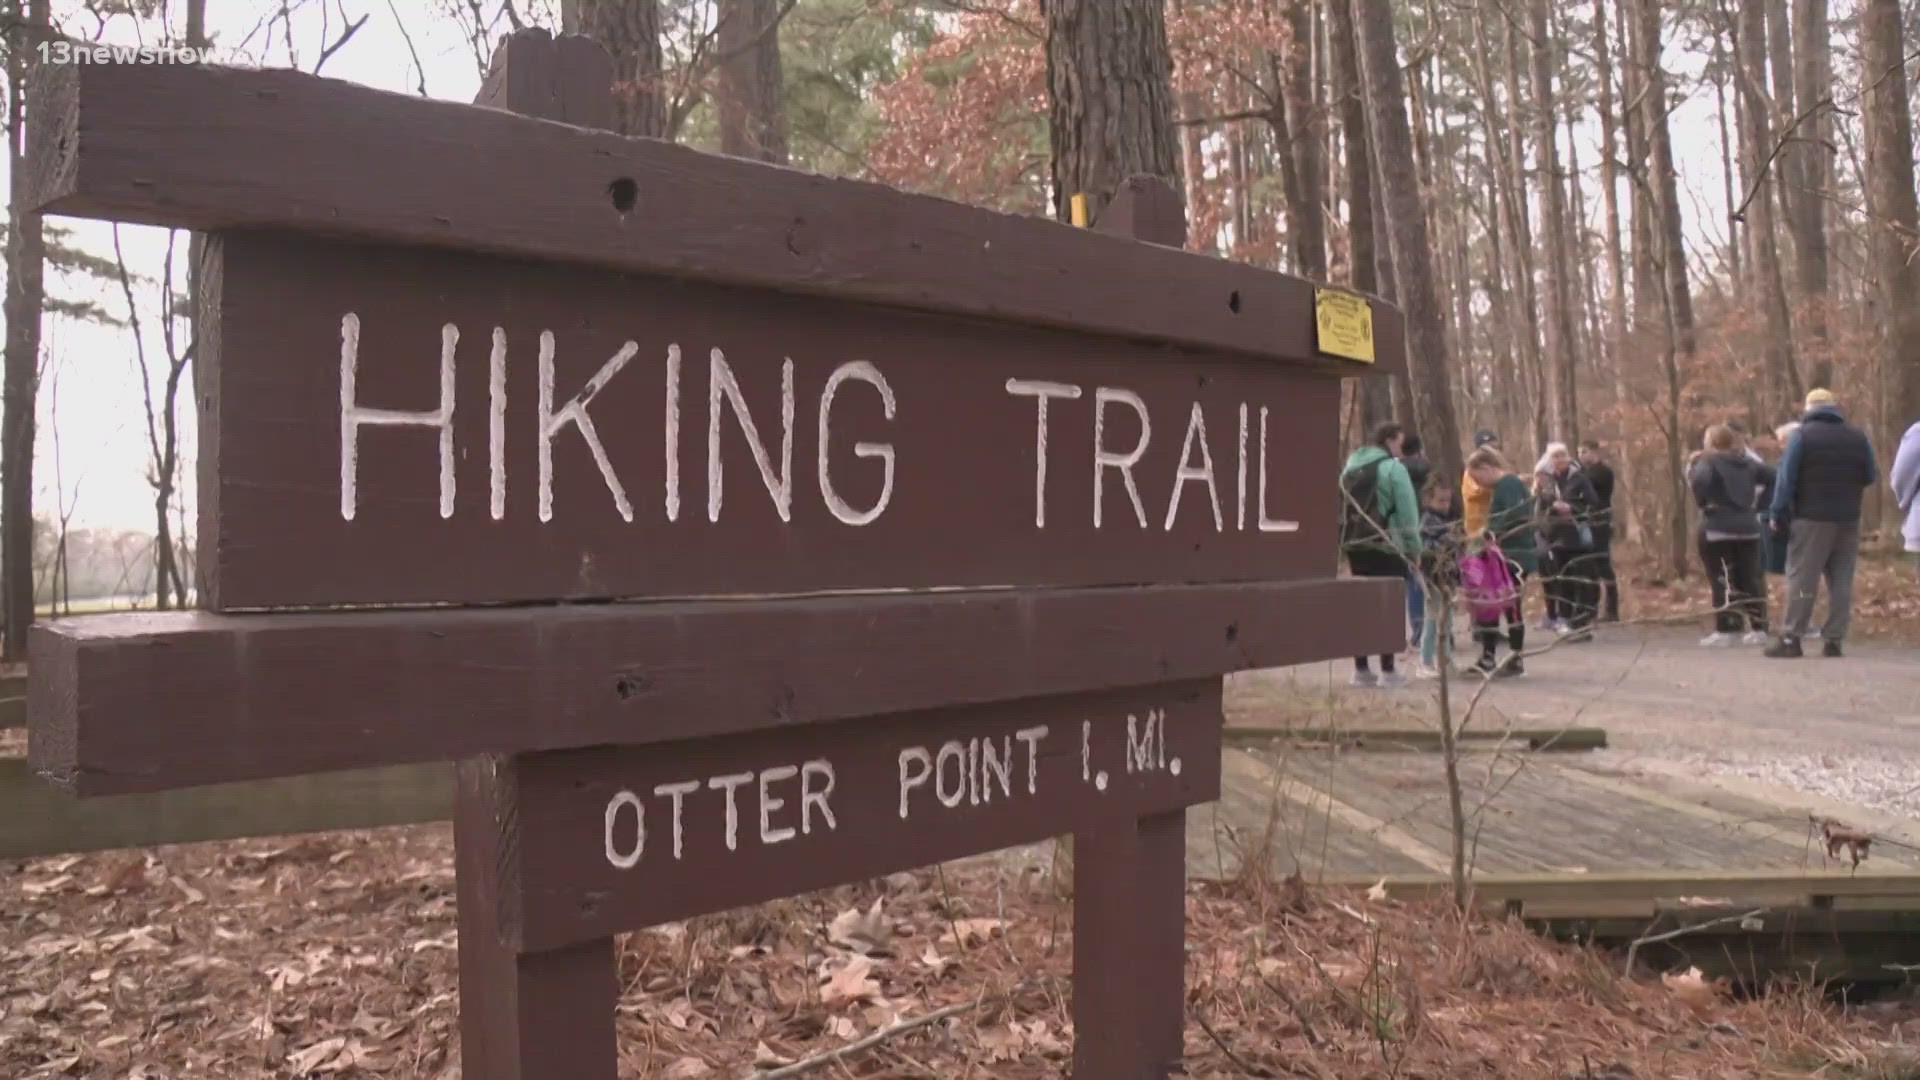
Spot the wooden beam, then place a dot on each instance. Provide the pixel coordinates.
(144, 702)
(210, 148)
(38, 819)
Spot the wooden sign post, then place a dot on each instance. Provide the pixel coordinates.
(742, 532)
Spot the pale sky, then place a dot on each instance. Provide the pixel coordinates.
(92, 453)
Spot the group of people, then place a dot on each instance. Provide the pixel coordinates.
(1800, 518)
(1485, 538)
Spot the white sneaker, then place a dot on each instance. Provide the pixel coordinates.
(1392, 680)
(1365, 679)
(1754, 637)
(1813, 634)
(1719, 641)
(1423, 672)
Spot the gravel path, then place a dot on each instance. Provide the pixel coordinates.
(1846, 729)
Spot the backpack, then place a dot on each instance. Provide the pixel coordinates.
(1488, 581)
(1361, 523)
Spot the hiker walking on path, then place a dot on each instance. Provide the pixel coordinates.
(1593, 462)
(1380, 526)
(1906, 485)
(1727, 485)
(1827, 467)
(1510, 530)
(1566, 504)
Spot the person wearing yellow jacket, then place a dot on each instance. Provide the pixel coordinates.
(1477, 501)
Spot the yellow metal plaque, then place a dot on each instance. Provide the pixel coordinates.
(1344, 324)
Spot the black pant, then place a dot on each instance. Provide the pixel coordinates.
(1738, 573)
(1600, 563)
(1489, 632)
(1573, 587)
(1370, 562)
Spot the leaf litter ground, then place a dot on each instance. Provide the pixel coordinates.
(334, 956)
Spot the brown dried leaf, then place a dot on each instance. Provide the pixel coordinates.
(853, 982)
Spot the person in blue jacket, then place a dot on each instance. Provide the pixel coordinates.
(1823, 476)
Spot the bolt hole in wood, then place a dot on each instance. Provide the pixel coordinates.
(630, 686)
(624, 193)
(1233, 301)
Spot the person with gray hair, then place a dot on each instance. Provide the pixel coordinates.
(1823, 477)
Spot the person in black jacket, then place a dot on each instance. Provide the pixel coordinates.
(1593, 462)
(1826, 470)
(1565, 505)
(1728, 486)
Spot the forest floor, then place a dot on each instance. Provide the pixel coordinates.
(334, 956)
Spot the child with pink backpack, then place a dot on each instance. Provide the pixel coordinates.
(1494, 570)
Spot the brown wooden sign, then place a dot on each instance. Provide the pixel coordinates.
(477, 364)
(536, 432)
(662, 833)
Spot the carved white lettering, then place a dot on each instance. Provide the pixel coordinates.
(722, 386)
(1269, 524)
(769, 804)
(678, 793)
(1240, 497)
(1196, 432)
(1104, 459)
(1032, 736)
(1140, 741)
(955, 752)
(673, 433)
(553, 421)
(353, 415)
(818, 769)
(497, 425)
(869, 374)
(626, 860)
(1000, 766)
(729, 784)
(1041, 391)
(915, 755)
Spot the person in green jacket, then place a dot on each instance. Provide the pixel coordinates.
(1509, 524)
(1380, 526)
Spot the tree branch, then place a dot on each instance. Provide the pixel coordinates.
(1766, 167)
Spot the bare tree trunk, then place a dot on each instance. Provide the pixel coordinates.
(1756, 145)
(1306, 224)
(1780, 68)
(1727, 174)
(1539, 380)
(1511, 207)
(1430, 358)
(1563, 346)
(1110, 89)
(750, 94)
(1666, 179)
(1193, 165)
(1376, 393)
(26, 294)
(630, 32)
(1813, 84)
(1647, 283)
(1890, 179)
(1624, 519)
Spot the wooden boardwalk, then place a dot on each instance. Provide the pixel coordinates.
(1363, 815)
